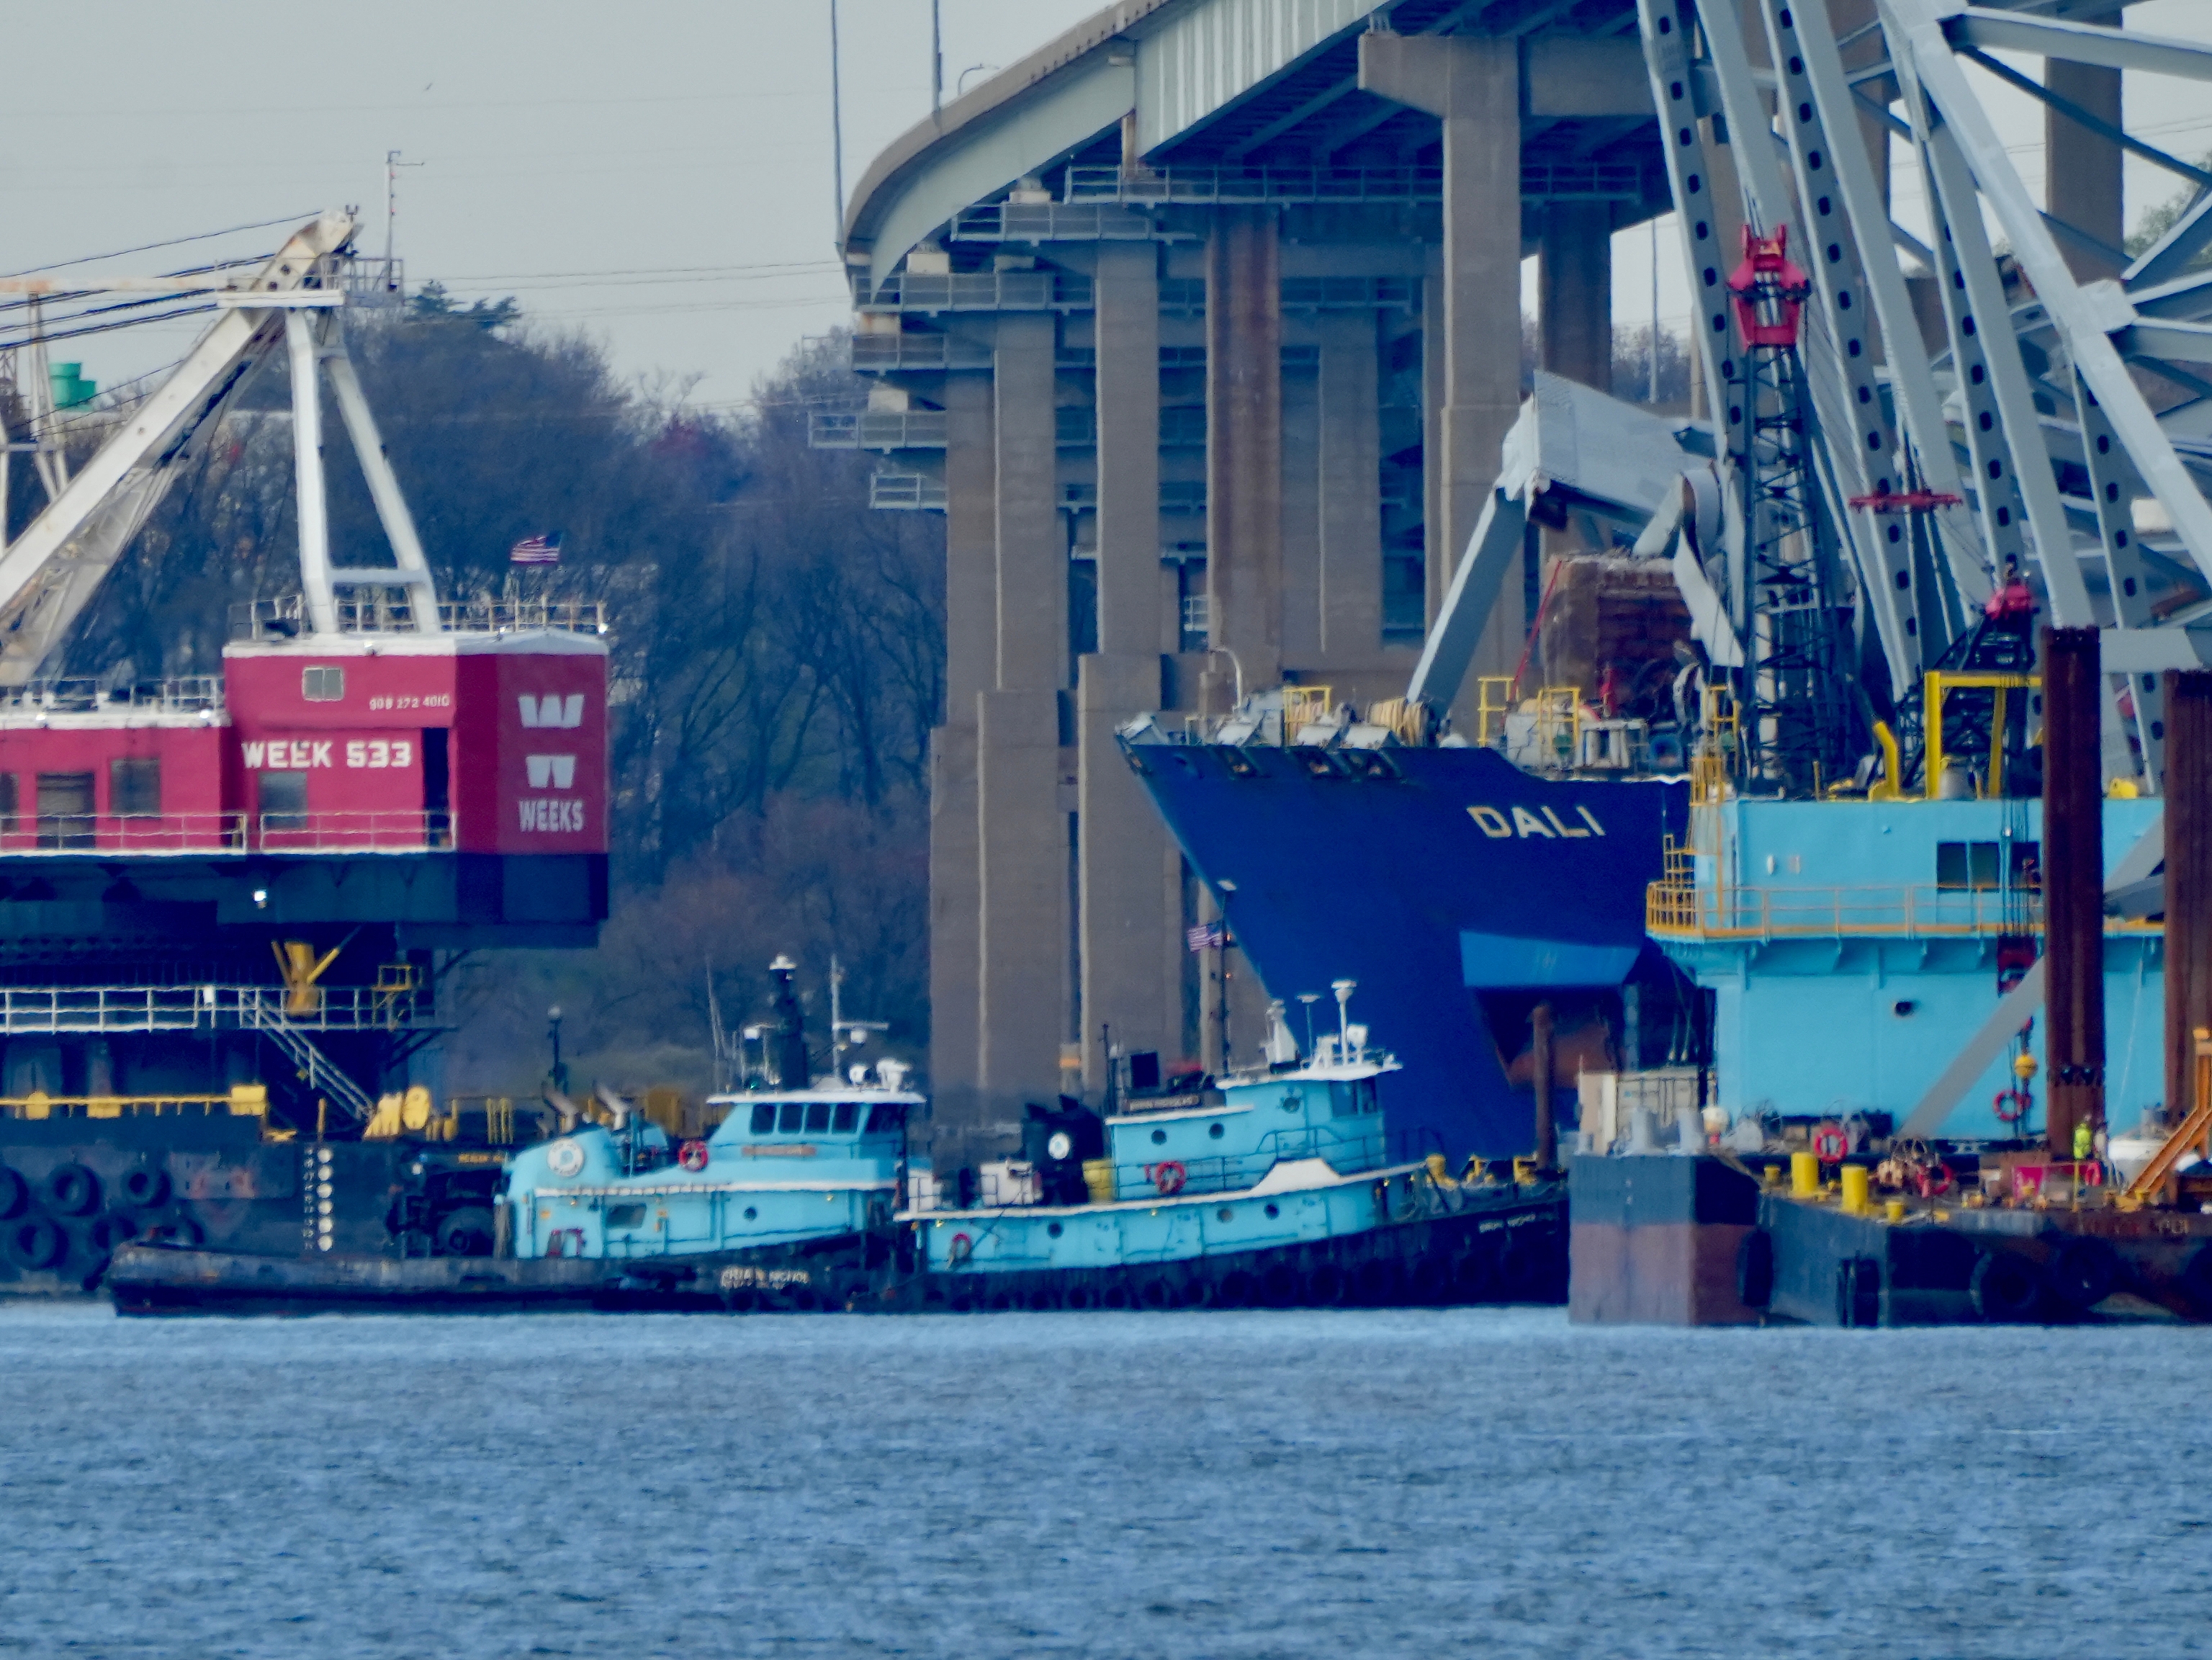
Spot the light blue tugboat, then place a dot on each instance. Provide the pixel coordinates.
(1271, 1188)
(787, 1203)
(784, 1167)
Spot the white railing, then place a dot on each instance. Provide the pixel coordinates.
(1679, 910)
(209, 1008)
(186, 695)
(57, 835)
(388, 611)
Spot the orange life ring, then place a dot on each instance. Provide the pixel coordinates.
(1935, 1180)
(1830, 1143)
(693, 1156)
(961, 1249)
(1167, 1175)
(2012, 1105)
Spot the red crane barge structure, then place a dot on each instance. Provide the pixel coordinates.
(227, 903)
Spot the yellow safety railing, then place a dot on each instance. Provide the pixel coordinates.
(1678, 908)
(243, 1101)
(1494, 702)
(1938, 683)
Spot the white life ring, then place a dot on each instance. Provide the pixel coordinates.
(564, 1158)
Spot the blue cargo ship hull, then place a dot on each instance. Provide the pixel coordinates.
(1435, 877)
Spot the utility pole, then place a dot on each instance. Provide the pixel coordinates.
(936, 58)
(391, 165)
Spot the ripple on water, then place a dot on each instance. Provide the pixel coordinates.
(1217, 1485)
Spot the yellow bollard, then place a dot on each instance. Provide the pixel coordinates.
(1773, 1175)
(1855, 1189)
(1805, 1175)
(1894, 1209)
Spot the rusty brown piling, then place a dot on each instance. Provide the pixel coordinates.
(2072, 885)
(2188, 790)
(1540, 1075)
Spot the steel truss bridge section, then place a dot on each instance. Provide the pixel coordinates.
(1942, 472)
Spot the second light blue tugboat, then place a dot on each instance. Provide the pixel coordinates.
(1271, 1189)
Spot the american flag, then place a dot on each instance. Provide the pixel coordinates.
(1208, 936)
(544, 550)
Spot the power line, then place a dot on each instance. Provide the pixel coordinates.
(174, 241)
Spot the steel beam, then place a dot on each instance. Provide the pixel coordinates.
(2085, 317)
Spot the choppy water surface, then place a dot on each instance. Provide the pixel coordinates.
(1193, 1484)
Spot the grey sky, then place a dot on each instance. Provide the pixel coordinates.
(686, 141)
(683, 143)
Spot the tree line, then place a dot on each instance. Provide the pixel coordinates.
(777, 655)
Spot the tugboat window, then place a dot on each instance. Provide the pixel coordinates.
(847, 1117)
(626, 1216)
(794, 1118)
(1214, 1130)
(763, 1117)
(818, 1116)
(1273, 1211)
(885, 1118)
(1159, 1138)
(751, 1215)
(1054, 1230)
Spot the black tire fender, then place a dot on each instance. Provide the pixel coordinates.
(116, 1228)
(73, 1190)
(2082, 1272)
(145, 1186)
(2197, 1278)
(15, 1194)
(2007, 1288)
(1754, 1269)
(466, 1231)
(35, 1242)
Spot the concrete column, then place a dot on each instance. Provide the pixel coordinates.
(1436, 574)
(1574, 269)
(956, 894)
(1301, 517)
(2082, 183)
(1126, 291)
(1124, 913)
(1473, 85)
(1245, 440)
(1125, 919)
(1021, 830)
(1351, 467)
(1032, 553)
(1025, 934)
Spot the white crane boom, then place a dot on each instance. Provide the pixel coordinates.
(51, 572)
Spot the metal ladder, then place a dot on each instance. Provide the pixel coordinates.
(314, 1065)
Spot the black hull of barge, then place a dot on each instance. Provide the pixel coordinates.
(1514, 1252)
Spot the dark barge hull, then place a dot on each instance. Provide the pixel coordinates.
(1662, 1240)
(1510, 1252)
